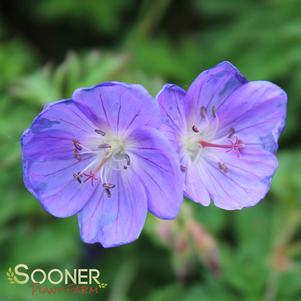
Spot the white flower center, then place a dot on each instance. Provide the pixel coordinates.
(109, 153)
(201, 137)
(190, 144)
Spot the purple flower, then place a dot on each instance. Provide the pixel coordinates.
(101, 155)
(225, 130)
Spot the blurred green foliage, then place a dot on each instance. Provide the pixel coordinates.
(49, 47)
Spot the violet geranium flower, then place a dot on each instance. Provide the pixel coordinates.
(225, 130)
(100, 155)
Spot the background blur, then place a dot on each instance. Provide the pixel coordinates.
(50, 47)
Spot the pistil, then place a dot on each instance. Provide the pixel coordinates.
(90, 177)
(236, 146)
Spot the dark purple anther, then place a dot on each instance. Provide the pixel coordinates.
(213, 111)
(183, 168)
(77, 144)
(76, 154)
(77, 176)
(203, 112)
(108, 185)
(231, 132)
(223, 167)
(195, 129)
(100, 132)
(108, 192)
(104, 145)
(127, 159)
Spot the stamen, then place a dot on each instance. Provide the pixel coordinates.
(101, 164)
(103, 155)
(104, 145)
(195, 129)
(223, 167)
(77, 144)
(213, 111)
(108, 192)
(107, 187)
(183, 168)
(231, 132)
(100, 132)
(76, 154)
(203, 111)
(77, 176)
(127, 159)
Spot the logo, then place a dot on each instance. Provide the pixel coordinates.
(57, 281)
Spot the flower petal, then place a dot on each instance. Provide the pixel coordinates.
(171, 104)
(244, 180)
(257, 112)
(211, 88)
(171, 101)
(194, 185)
(121, 107)
(157, 166)
(118, 219)
(48, 160)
